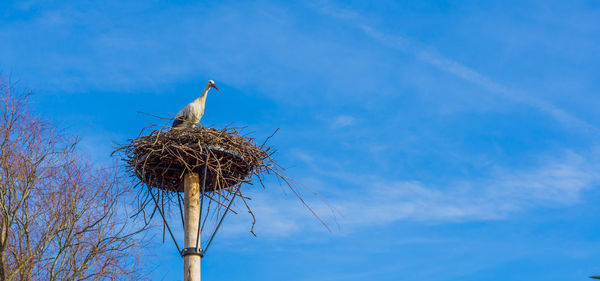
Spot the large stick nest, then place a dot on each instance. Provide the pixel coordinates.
(161, 158)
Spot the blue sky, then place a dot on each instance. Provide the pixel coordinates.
(456, 141)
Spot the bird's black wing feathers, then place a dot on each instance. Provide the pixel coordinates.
(178, 122)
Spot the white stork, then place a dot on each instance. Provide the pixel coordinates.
(191, 114)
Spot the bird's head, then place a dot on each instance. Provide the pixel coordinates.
(211, 83)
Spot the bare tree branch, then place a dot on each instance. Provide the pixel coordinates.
(61, 218)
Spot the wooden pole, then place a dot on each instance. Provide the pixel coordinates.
(191, 200)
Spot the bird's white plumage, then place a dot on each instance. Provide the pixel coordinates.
(191, 114)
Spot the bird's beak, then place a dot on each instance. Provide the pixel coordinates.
(214, 86)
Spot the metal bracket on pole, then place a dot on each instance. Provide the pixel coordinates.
(192, 251)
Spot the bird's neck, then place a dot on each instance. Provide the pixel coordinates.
(202, 98)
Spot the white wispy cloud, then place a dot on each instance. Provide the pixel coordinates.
(428, 55)
(554, 183)
(342, 121)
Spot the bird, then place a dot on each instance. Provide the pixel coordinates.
(191, 114)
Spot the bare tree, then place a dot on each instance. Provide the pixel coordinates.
(61, 218)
